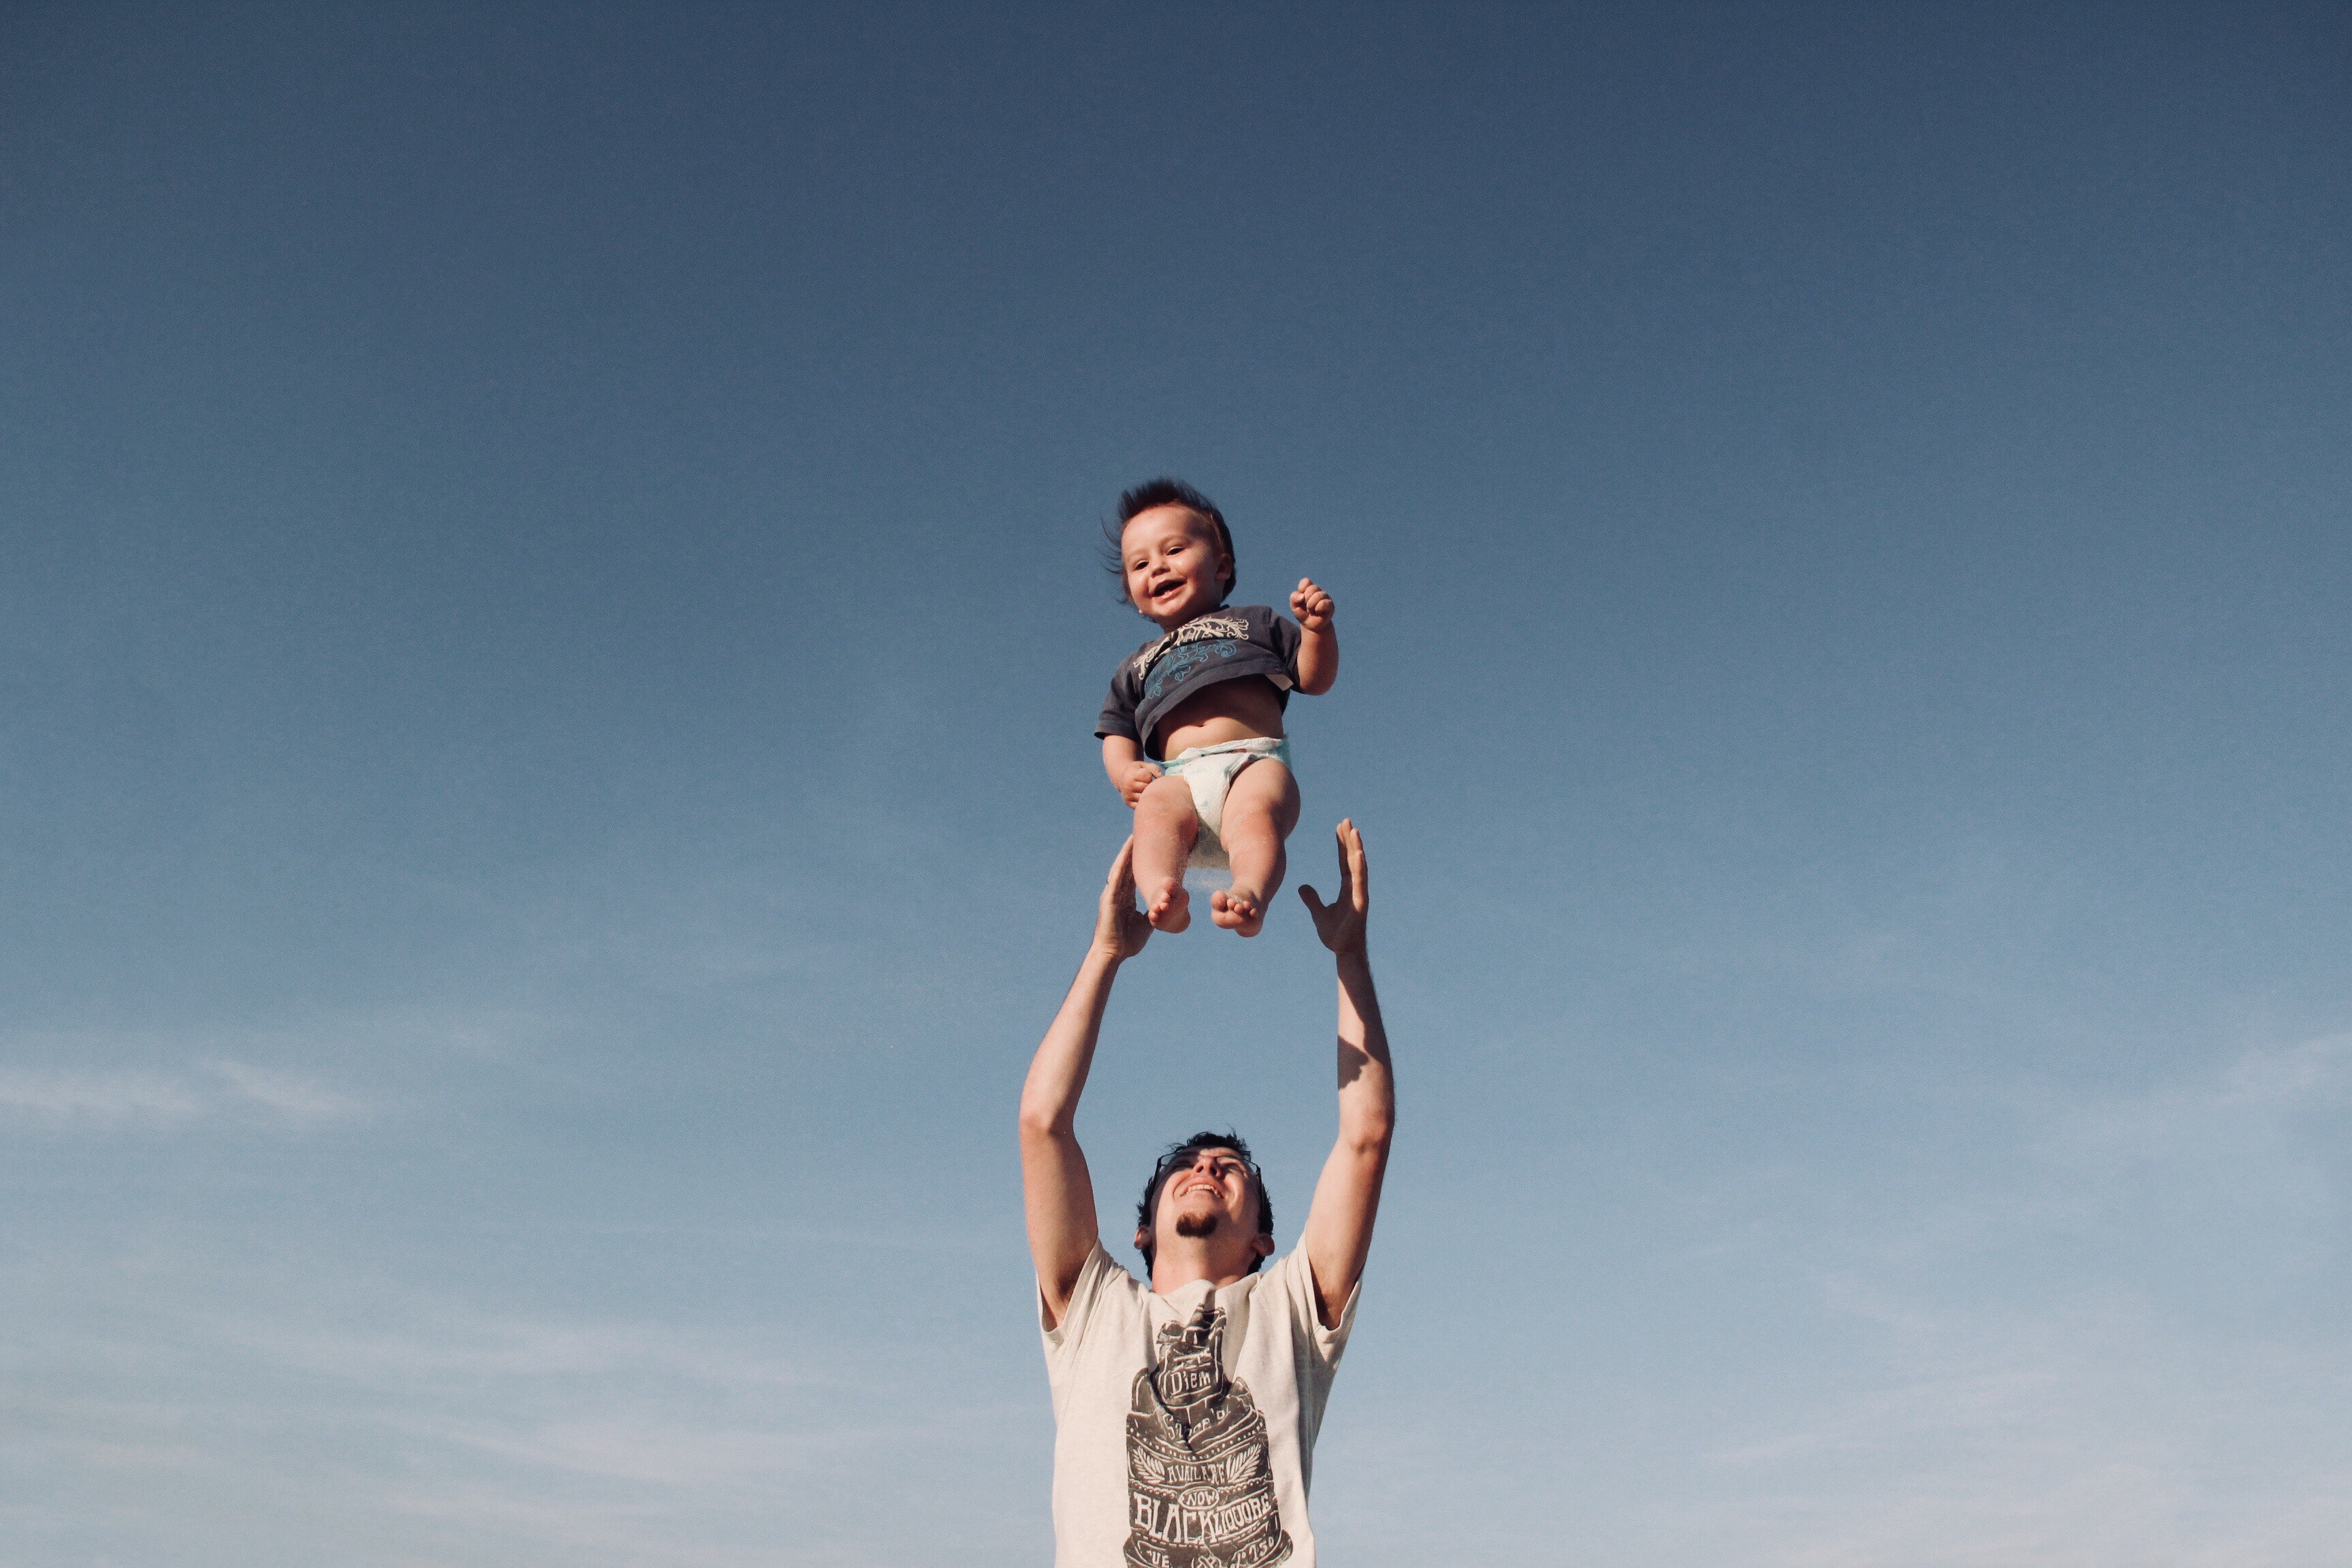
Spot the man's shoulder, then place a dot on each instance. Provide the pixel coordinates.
(1291, 1275)
(1102, 1284)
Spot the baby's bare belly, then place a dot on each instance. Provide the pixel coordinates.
(1238, 710)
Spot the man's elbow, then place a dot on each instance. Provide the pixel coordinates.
(1367, 1137)
(1041, 1122)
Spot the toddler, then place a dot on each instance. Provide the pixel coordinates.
(1192, 732)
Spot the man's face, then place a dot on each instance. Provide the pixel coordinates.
(1172, 563)
(1210, 1198)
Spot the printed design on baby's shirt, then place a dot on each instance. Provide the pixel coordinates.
(1177, 666)
(1199, 1487)
(1201, 628)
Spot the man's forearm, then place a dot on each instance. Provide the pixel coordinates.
(1367, 1087)
(1338, 1232)
(1057, 1191)
(1058, 1074)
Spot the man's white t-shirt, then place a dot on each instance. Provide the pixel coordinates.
(1185, 1423)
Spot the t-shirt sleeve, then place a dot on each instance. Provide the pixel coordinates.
(1118, 711)
(1062, 1338)
(1287, 637)
(1317, 1343)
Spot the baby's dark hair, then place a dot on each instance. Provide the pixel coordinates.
(1180, 1156)
(1162, 492)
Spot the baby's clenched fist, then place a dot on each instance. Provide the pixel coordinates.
(1137, 779)
(1311, 605)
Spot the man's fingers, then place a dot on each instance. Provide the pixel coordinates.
(1352, 889)
(1307, 896)
(1122, 871)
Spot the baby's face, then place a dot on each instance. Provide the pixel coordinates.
(1173, 567)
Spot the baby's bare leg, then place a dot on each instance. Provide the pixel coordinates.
(1165, 827)
(1260, 811)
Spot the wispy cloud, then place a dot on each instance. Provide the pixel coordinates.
(472, 1349)
(2256, 1085)
(2316, 1073)
(439, 1432)
(2075, 1438)
(289, 1074)
(662, 1453)
(284, 1095)
(2098, 1352)
(110, 1099)
(2243, 1135)
(219, 1090)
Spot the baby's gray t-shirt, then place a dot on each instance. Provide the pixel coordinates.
(1225, 643)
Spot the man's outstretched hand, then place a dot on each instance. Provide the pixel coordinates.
(1340, 922)
(1121, 928)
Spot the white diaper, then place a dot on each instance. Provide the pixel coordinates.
(1209, 772)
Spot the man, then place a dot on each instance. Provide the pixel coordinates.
(1186, 1413)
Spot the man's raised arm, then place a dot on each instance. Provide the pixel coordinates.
(1055, 1189)
(1339, 1235)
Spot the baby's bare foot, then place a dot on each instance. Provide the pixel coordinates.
(1238, 909)
(1169, 909)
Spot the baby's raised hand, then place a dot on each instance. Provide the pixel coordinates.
(1311, 605)
(1135, 781)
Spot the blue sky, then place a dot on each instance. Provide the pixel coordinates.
(551, 629)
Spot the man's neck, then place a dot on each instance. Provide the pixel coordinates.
(1172, 1270)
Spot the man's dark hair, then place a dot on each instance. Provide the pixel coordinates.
(1179, 1157)
(1163, 491)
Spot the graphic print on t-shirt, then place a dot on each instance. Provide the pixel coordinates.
(1200, 629)
(1200, 1489)
(1177, 666)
